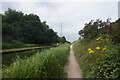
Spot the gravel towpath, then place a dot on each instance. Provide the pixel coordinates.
(72, 68)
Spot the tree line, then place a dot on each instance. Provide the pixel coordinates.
(98, 27)
(27, 28)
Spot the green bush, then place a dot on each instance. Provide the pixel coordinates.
(109, 67)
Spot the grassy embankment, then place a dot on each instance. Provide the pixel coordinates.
(98, 58)
(8, 59)
(46, 64)
(10, 54)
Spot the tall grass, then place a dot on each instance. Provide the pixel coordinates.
(8, 59)
(45, 64)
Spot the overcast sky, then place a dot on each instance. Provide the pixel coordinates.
(73, 14)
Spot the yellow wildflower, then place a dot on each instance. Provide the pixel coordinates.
(90, 51)
(104, 48)
(99, 38)
(98, 48)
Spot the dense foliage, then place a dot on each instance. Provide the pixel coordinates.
(27, 28)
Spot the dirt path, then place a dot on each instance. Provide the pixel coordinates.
(72, 68)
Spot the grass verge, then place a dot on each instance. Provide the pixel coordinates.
(45, 64)
(98, 59)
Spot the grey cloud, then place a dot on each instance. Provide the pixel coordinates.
(73, 15)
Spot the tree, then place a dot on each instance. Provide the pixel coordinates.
(27, 28)
(92, 29)
(63, 39)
